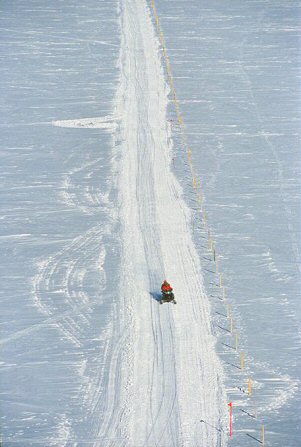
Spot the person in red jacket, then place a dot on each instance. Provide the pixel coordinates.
(166, 287)
(167, 293)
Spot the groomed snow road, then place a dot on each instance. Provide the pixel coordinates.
(165, 376)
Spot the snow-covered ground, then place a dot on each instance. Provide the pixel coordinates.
(94, 177)
(59, 226)
(236, 68)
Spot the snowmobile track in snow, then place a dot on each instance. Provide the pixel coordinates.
(166, 375)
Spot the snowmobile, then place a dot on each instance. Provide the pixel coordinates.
(168, 297)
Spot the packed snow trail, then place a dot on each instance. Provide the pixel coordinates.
(165, 376)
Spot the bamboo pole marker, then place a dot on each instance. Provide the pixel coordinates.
(200, 199)
(214, 255)
(242, 360)
(250, 383)
(168, 66)
(221, 280)
(262, 434)
(180, 119)
(229, 311)
(231, 325)
(194, 182)
(211, 245)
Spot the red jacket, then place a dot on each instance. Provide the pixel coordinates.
(166, 288)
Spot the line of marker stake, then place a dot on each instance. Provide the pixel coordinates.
(200, 201)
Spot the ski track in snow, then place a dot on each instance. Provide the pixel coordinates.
(86, 199)
(58, 290)
(165, 376)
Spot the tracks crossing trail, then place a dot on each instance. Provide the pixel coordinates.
(165, 375)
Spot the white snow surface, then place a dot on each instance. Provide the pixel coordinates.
(108, 123)
(89, 358)
(166, 382)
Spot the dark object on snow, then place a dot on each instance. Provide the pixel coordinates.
(168, 297)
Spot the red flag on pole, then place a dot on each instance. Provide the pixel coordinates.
(231, 419)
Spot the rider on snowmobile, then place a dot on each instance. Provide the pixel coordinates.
(166, 287)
